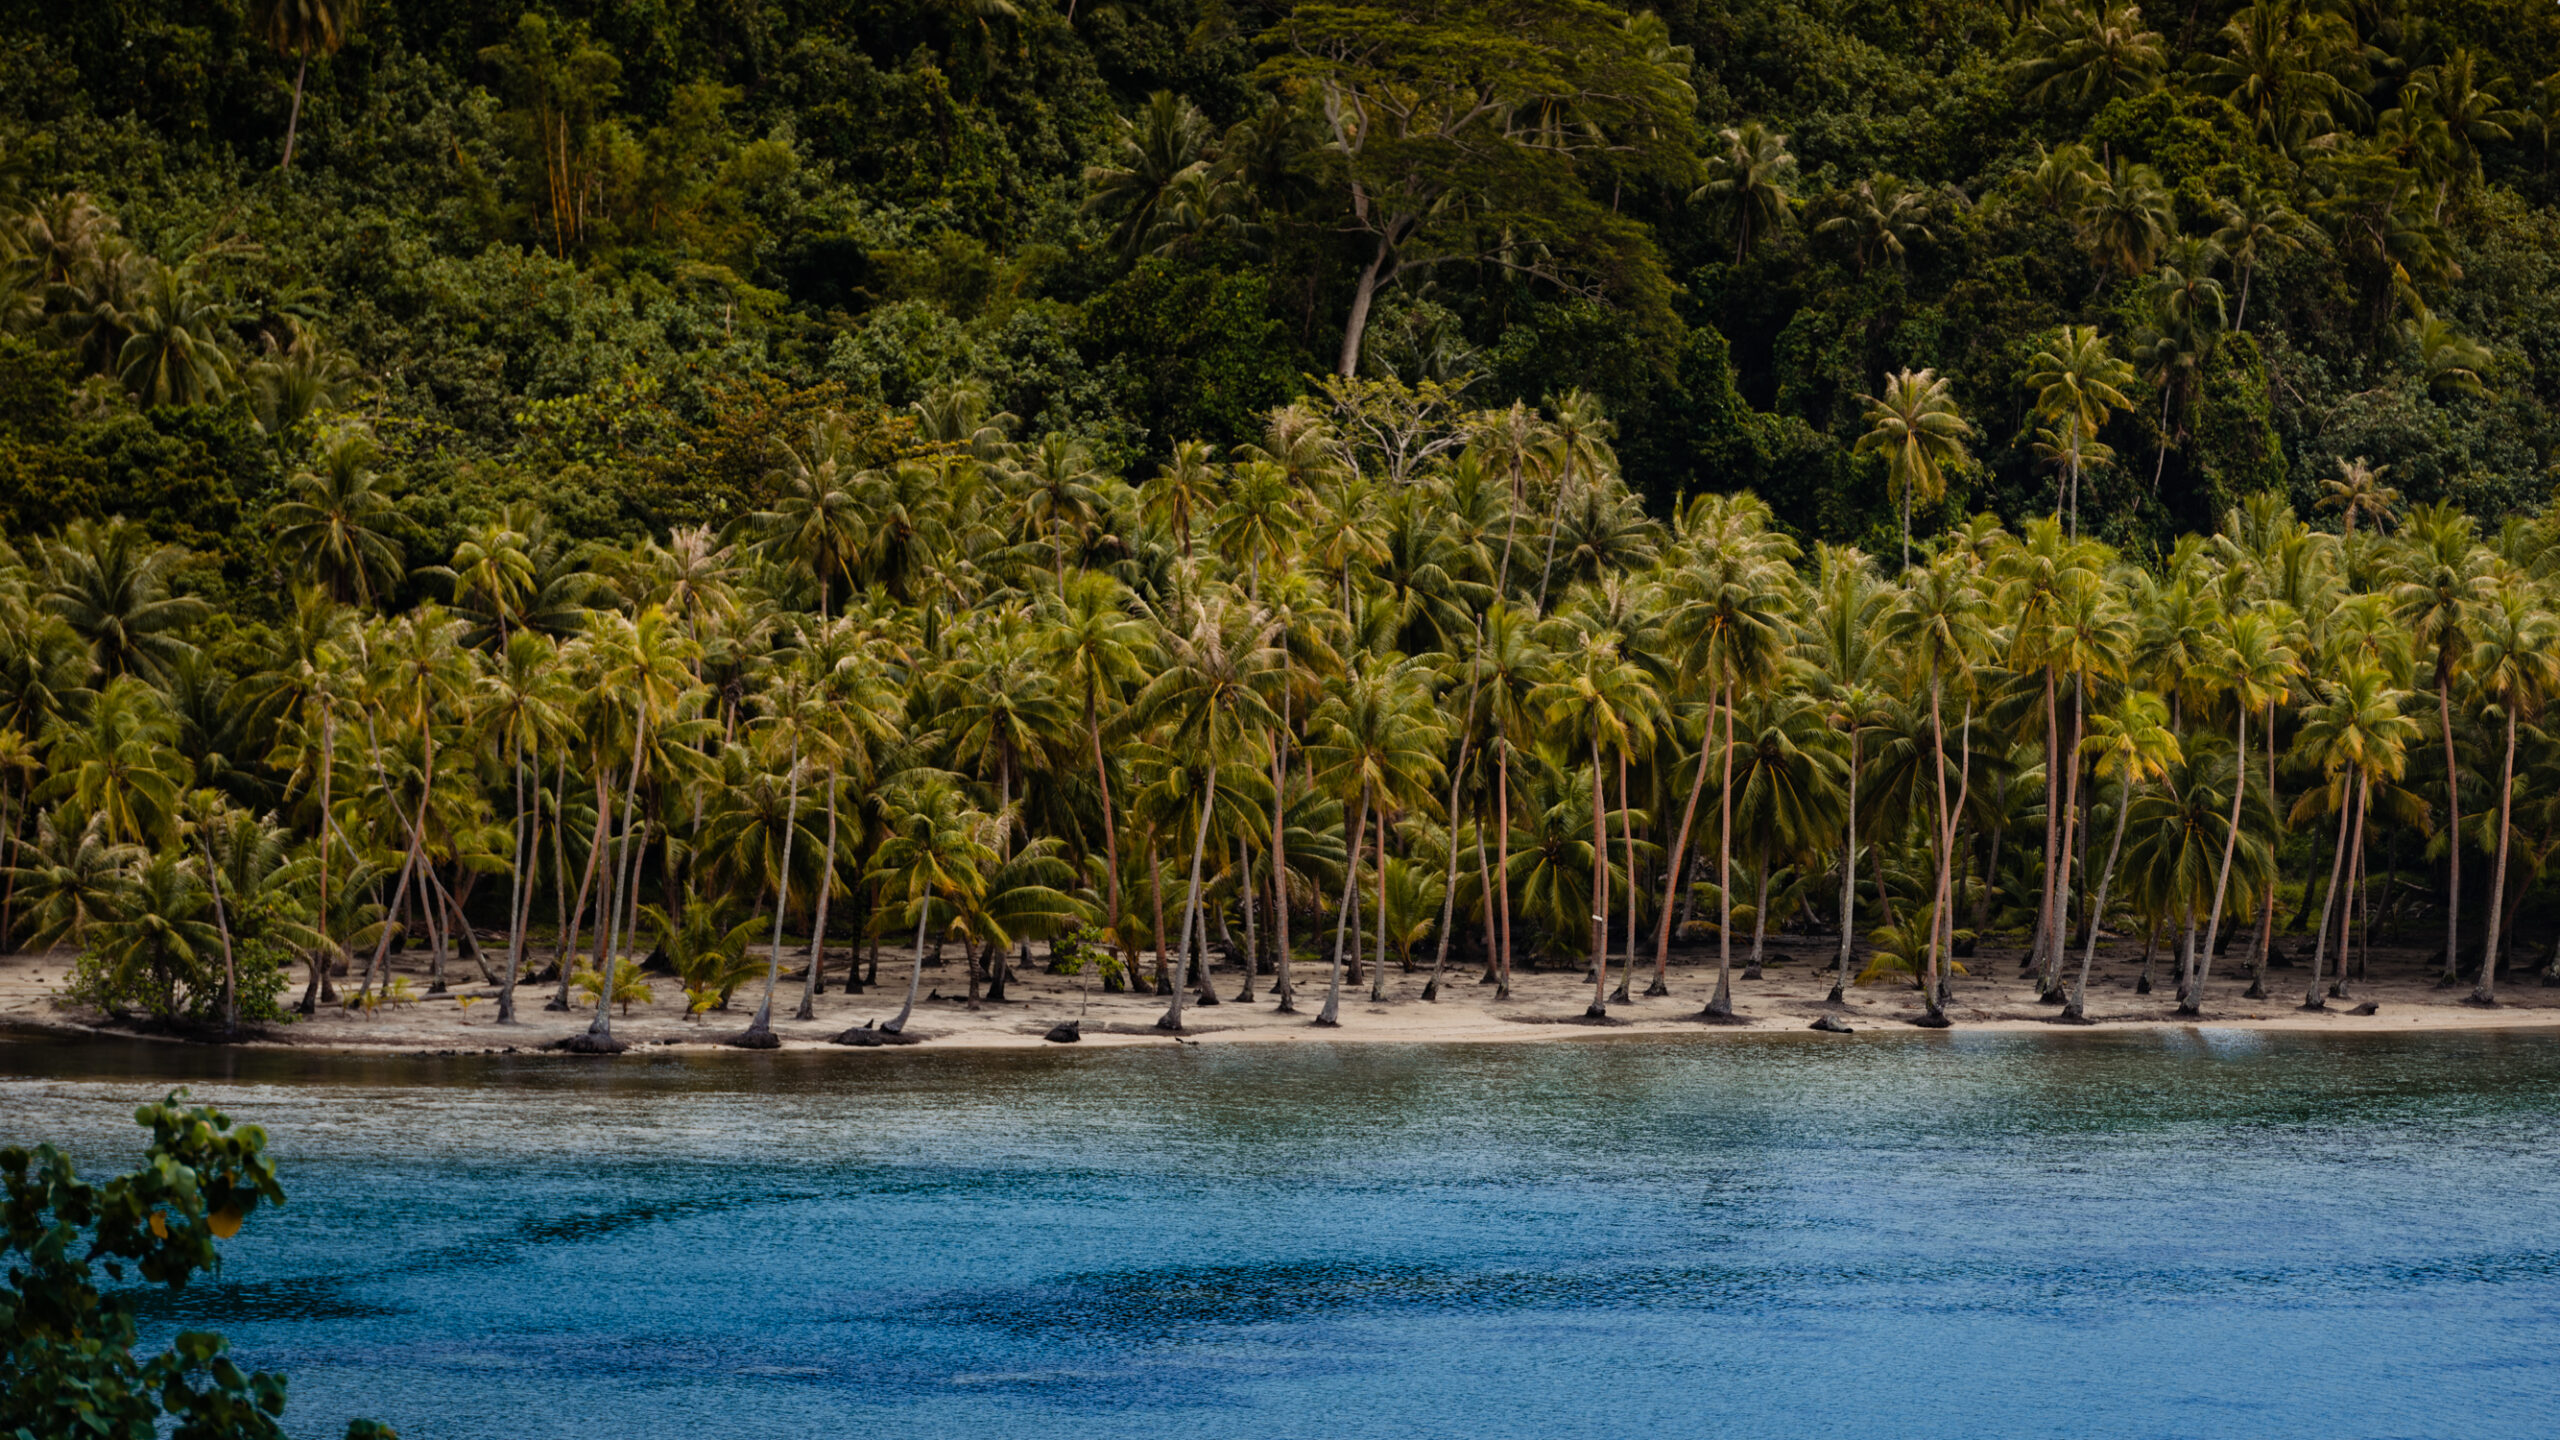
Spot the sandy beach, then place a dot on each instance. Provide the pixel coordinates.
(1545, 1006)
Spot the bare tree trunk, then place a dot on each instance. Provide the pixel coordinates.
(1599, 1008)
(1679, 851)
(1502, 857)
(293, 118)
(1848, 880)
(2337, 865)
(1720, 1005)
(759, 1033)
(2452, 838)
(2078, 1009)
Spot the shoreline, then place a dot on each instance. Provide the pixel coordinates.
(1546, 1007)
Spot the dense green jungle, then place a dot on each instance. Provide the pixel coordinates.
(629, 481)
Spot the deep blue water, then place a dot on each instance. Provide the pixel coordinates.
(2176, 1233)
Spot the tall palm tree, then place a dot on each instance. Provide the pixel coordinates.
(2085, 53)
(524, 705)
(298, 28)
(934, 859)
(2134, 745)
(2255, 668)
(1207, 705)
(2078, 382)
(1097, 639)
(2516, 670)
(1603, 702)
(2436, 600)
(646, 667)
(2357, 735)
(817, 523)
(1915, 425)
(1376, 743)
(1939, 627)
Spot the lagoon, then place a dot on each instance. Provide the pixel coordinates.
(2178, 1232)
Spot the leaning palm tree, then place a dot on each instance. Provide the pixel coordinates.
(646, 667)
(933, 861)
(1915, 425)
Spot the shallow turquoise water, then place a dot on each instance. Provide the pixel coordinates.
(2177, 1233)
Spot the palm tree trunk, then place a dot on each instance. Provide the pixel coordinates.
(1848, 880)
(293, 118)
(222, 927)
(2337, 864)
(2045, 902)
(1599, 1008)
(2452, 837)
(2230, 848)
(602, 1026)
(1172, 1017)
(1946, 858)
(2056, 933)
(2078, 1009)
(1252, 931)
(1110, 832)
(522, 853)
(915, 977)
(1155, 897)
(1502, 856)
(567, 945)
(759, 1033)
(815, 984)
(2355, 887)
(1332, 1012)
(1720, 1005)
(1287, 992)
(1378, 973)
(1627, 847)
(1457, 776)
(2485, 992)
(1679, 851)
(326, 957)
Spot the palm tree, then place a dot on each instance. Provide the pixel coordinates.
(645, 667)
(2086, 53)
(816, 525)
(1058, 495)
(72, 876)
(111, 585)
(2125, 216)
(2441, 577)
(2255, 668)
(176, 349)
(1880, 218)
(336, 521)
(2357, 491)
(1151, 154)
(525, 704)
(1939, 627)
(2254, 229)
(2078, 382)
(936, 852)
(2135, 746)
(1724, 620)
(2357, 735)
(1746, 179)
(1375, 743)
(297, 28)
(1184, 491)
(1603, 702)
(2516, 668)
(1206, 704)
(1915, 425)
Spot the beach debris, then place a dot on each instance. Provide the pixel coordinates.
(1831, 1025)
(1066, 1032)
